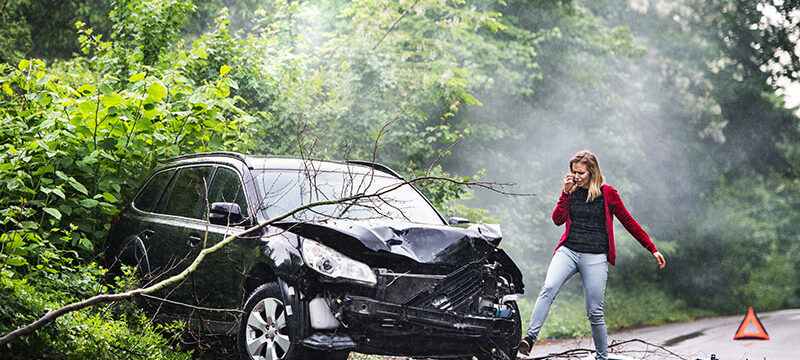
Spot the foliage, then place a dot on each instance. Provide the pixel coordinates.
(87, 334)
(75, 145)
(71, 151)
(51, 22)
(15, 36)
(419, 64)
(748, 250)
(268, 77)
(148, 26)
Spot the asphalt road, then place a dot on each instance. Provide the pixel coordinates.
(700, 339)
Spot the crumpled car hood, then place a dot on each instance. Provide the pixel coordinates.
(428, 244)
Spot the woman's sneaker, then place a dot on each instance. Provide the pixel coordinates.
(525, 346)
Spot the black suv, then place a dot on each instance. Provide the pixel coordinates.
(378, 274)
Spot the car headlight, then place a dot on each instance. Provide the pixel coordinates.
(333, 264)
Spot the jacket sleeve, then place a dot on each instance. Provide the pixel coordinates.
(561, 212)
(630, 224)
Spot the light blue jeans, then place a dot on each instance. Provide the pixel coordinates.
(594, 273)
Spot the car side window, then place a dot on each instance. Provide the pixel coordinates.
(188, 197)
(227, 187)
(152, 192)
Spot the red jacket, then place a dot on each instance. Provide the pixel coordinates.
(614, 206)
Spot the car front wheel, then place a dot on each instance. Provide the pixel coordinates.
(263, 332)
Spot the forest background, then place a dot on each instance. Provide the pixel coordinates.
(683, 101)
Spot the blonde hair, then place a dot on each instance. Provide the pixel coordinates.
(597, 180)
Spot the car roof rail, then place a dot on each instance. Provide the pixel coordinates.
(230, 154)
(376, 166)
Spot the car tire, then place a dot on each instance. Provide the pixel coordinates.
(263, 332)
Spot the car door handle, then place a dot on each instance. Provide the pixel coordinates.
(148, 233)
(193, 240)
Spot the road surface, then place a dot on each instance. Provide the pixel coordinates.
(701, 338)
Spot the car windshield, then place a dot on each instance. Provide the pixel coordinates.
(285, 190)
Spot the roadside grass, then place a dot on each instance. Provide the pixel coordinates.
(647, 308)
(567, 317)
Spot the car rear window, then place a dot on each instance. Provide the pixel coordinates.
(151, 193)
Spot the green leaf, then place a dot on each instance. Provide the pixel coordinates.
(43, 170)
(136, 77)
(87, 107)
(108, 143)
(78, 186)
(60, 194)
(105, 89)
(86, 89)
(89, 203)
(109, 197)
(53, 212)
(23, 64)
(113, 99)
(66, 209)
(157, 91)
(28, 225)
(16, 261)
(86, 244)
(13, 184)
(42, 81)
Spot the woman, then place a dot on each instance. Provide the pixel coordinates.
(586, 205)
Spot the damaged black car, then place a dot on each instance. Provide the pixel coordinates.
(381, 273)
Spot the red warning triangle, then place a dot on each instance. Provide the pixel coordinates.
(751, 318)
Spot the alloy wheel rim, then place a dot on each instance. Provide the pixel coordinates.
(265, 335)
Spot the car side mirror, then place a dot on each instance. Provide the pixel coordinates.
(224, 213)
(458, 220)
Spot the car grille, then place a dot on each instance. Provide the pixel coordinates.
(457, 292)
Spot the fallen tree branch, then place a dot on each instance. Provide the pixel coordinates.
(565, 353)
(193, 307)
(576, 351)
(649, 344)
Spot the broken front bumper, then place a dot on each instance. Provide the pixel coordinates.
(378, 327)
(388, 316)
(462, 313)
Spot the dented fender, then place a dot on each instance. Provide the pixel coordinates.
(283, 251)
(511, 268)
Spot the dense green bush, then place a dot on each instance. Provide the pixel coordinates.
(76, 140)
(72, 151)
(107, 332)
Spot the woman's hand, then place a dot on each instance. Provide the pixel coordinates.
(569, 183)
(660, 258)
